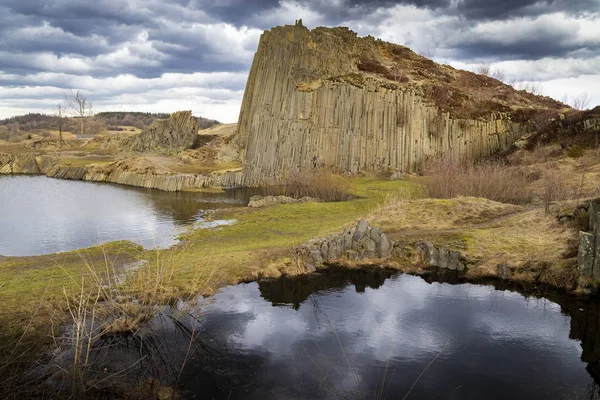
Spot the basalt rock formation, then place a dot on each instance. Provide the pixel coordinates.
(364, 243)
(327, 98)
(132, 172)
(588, 258)
(178, 132)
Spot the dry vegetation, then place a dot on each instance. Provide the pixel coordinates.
(450, 178)
(319, 184)
(433, 214)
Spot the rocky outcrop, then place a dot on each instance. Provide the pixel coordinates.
(31, 164)
(310, 101)
(259, 201)
(441, 257)
(178, 132)
(116, 172)
(588, 257)
(365, 243)
(361, 242)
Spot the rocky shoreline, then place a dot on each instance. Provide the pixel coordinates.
(114, 172)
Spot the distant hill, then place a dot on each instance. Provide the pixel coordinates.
(22, 126)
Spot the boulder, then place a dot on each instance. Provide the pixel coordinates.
(176, 133)
(441, 257)
(585, 256)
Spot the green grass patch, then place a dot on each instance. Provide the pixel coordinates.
(82, 162)
(260, 236)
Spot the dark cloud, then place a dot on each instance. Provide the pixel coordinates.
(149, 38)
(506, 9)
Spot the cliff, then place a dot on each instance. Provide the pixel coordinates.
(327, 98)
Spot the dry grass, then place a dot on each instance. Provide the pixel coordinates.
(319, 184)
(426, 214)
(533, 244)
(449, 178)
(540, 154)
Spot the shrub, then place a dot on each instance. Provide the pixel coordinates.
(320, 184)
(495, 181)
(575, 151)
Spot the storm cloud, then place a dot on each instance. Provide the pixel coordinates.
(165, 55)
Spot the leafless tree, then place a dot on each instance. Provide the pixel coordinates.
(487, 70)
(530, 87)
(60, 114)
(581, 101)
(80, 106)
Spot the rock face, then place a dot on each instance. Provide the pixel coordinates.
(441, 257)
(312, 99)
(588, 257)
(178, 132)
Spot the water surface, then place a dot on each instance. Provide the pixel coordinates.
(366, 335)
(40, 215)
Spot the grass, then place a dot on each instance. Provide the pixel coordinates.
(263, 236)
(186, 168)
(533, 244)
(438, 214)
(32, 302)
(83, 161)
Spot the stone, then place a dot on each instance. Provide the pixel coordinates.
(442, 257)
(176, 133)
(396, 176)
(357, 243)
(324, 250)
(370, 245)
(503, 271)
(384, 247)
(593, 211)
(585, 255)
(596, 265)
(361, 229)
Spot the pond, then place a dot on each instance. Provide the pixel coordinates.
(40, 215)
(372, 334)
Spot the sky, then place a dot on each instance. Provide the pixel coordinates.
(169, 55)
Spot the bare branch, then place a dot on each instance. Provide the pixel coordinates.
(581, 101)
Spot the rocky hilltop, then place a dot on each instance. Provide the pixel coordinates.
(326, 97)
(176, 133)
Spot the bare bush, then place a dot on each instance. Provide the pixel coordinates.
(581, 101)
(540, 154)
(487, 70)
(530, 87)
(320, 184)
(495, 181)
(556, 187)
(483, 69)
